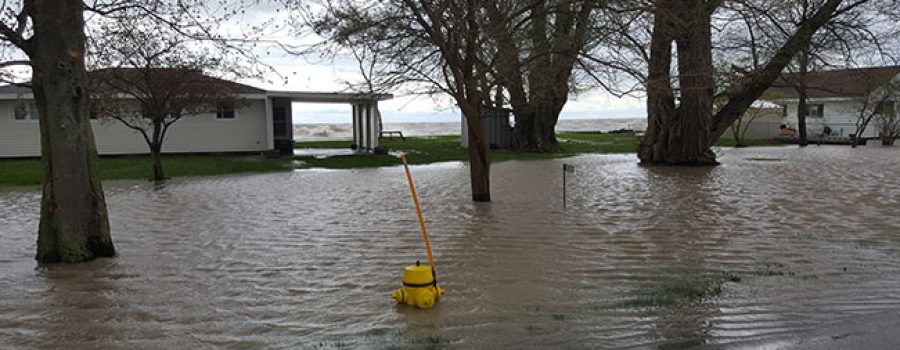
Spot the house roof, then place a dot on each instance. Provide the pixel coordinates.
(131, 74)
(834, 83)
(138, 75)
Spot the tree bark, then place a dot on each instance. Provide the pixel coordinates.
(660, 96)
(156, 152)
(695, 67)
(156, 156)
(479, 154)
(74, 226)
(802, 108)
(680, 135)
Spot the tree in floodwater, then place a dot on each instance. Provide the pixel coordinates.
(681, 124)
(430, 48)
(74, 225)
(155, 79)
(49, 37)
(864, 32)
(537, 48)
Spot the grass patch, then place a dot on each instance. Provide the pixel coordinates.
(676, 294)
(28, 172)
(681, 293)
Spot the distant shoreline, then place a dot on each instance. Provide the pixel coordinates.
(344, 131)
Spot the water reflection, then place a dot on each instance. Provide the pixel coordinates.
(755, 251)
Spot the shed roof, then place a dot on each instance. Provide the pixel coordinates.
(855, 82)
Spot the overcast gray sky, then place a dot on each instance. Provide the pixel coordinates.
(313, 74)
(326, 75)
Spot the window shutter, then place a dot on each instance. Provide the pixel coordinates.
(820, 111)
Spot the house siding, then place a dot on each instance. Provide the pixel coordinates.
(192, 134)
(840, 116)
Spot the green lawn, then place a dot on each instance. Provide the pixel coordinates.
(425, 150)
(27, 172)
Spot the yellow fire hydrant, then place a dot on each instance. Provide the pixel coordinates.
(419, 287)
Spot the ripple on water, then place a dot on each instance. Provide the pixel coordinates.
(762, 248)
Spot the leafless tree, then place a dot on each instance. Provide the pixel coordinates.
(152, 78)
(48, 37)
(881, 105)
(537, 45)
(433, 47)
(682, 126)
(864, 31)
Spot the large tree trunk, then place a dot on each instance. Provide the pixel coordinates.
(695, 77)
(74, 226)
(479, 155)
(660, 97)
(675, 136)
(547, 115)
(680, 135)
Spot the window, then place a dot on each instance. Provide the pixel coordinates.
(225, 111)
(24, 111)
(815, 111)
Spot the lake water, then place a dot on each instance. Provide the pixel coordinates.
(771, 246)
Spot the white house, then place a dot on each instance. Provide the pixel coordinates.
(261, 124)
(835, 98)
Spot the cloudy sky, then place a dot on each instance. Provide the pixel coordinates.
(269, 21)
(306, 75)
(316, 74)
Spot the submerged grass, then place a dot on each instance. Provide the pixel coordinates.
(681, 292)
(28, 172)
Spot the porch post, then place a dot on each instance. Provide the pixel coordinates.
(270, 128)
(357, 137)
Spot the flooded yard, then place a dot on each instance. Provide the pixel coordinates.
(762, 251)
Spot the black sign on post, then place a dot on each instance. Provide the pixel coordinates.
(567, 168)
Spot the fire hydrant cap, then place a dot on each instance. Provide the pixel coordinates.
(418, 275)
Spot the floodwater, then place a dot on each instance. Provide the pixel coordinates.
(762, 251)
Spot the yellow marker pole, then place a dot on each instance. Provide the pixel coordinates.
(419, 212)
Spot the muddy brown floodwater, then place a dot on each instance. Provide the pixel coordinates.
(763, 251)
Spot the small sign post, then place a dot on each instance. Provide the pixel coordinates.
(567, 168)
